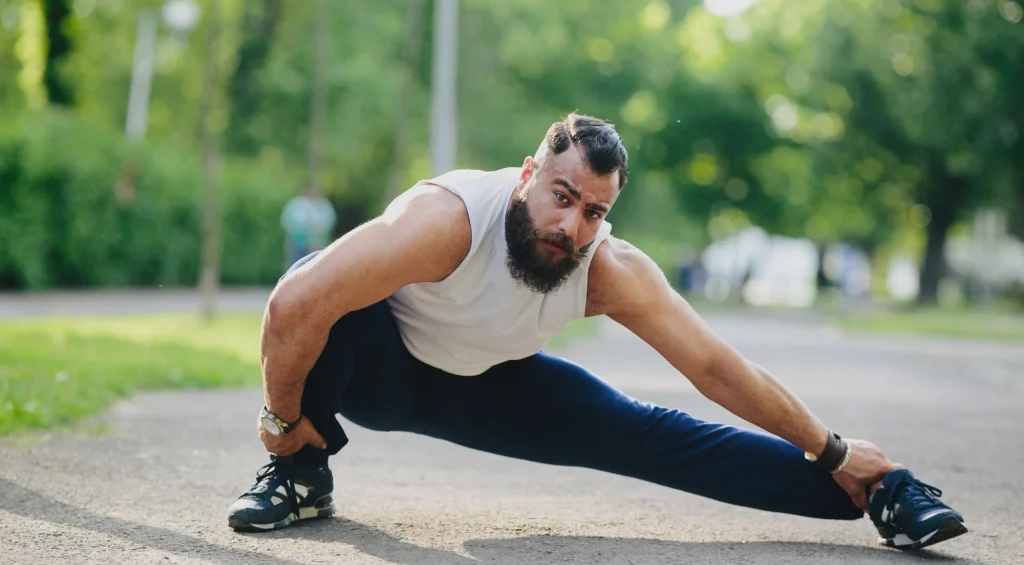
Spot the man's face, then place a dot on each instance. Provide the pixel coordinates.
(553, 218)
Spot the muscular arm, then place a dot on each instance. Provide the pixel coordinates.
(421, 237)
(630, 288)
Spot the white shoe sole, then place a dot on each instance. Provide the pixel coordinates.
(948, 528)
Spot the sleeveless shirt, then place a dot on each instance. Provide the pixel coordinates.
(479, 316)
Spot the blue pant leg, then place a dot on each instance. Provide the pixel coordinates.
(549, 410)
(302, 260)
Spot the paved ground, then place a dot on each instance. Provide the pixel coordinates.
(119, 301)
(155, 490)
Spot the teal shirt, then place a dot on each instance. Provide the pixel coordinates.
(308, 222)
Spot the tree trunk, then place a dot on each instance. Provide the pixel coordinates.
(821, 280)
(56, 12)
(946, 196)
(318, 94)
(934, 263)
(406, 93)
(210, 277)
(258, 29)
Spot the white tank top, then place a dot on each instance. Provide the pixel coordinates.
(479, 316)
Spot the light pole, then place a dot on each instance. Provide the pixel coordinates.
(443, 123)
(180, 16)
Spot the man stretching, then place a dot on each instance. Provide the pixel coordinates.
(432, 318)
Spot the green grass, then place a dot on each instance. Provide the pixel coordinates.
(962, 323)
(56, 371)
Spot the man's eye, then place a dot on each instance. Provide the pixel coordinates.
(561, 197)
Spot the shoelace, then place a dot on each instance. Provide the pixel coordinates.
(920, 495)
(283, 471)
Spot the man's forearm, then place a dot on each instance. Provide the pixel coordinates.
(288, 354)
(754, 394)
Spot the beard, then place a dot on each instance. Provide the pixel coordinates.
(526, 263)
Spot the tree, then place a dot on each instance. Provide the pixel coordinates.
(57, 14)
(209, 280)
(923, 94)
(408, 90)
(258, 29)
(318, 93)
(887, 113)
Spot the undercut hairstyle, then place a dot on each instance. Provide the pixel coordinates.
(600, 145)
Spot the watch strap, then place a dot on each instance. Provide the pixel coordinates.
(833, 454)
(285, 426)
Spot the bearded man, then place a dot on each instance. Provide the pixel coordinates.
(432, 319)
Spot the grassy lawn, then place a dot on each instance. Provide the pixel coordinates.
(982, 323)
(56, 371)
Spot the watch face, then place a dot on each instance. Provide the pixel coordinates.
(271, 426)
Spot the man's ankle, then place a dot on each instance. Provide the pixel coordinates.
(310, 457)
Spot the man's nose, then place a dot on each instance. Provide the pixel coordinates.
(570, 223)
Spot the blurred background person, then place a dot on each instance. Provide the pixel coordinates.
(308, 221)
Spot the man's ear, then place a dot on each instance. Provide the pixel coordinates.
(529, 169)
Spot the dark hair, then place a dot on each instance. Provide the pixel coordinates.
(601, 145)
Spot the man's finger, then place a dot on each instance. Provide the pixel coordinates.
(316, 439)
(311, 436)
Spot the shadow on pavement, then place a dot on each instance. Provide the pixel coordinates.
(30, 504)
(538, 549)
(546, 549)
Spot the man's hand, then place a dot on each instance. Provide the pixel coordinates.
(867, 466)
(285, 446)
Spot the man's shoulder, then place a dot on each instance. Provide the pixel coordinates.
(427, 196)
(459, 179)
(437, 212)
(621, 277)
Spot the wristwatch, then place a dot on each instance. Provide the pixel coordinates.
(834, 457)
(274, 425)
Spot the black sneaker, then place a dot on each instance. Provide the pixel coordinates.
(284, 493)
(909, 515)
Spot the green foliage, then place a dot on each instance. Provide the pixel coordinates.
(867, 122)
(58, 46)
(63, 225)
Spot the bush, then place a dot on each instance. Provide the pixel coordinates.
(62, 225)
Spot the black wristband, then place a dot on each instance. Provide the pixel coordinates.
(833, 454)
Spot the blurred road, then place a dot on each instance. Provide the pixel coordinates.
(115, 302)
(155, 487)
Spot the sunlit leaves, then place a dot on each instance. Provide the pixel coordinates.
(703, 169)
(1011, 11)
(642, 111)
(30, 50)
(700, 39)
(600, 49)
(655, 15)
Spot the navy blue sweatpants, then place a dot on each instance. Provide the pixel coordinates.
(548, 410)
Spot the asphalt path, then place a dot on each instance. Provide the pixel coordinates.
(154, 485)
